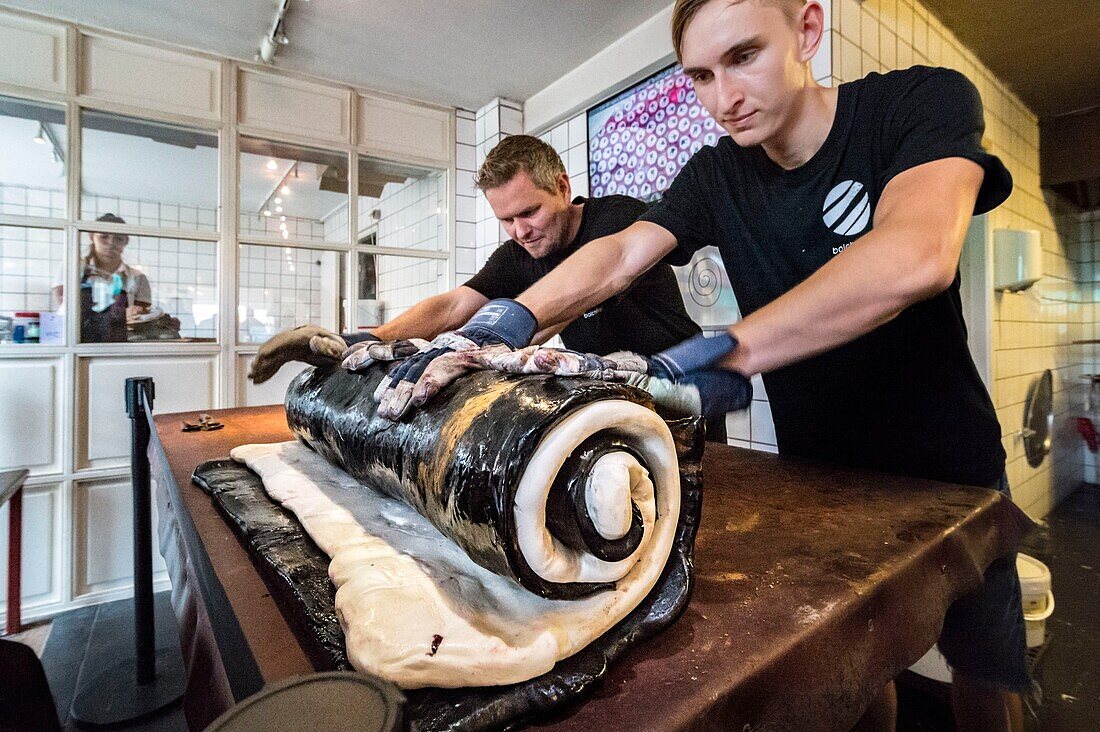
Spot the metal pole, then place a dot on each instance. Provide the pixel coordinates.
(139, 393)
(15, 562)
(111, 696)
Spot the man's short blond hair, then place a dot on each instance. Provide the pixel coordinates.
(685, 10)
(514, 153)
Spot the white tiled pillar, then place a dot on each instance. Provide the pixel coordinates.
(570, 140)
(466, 196)
(494, 121)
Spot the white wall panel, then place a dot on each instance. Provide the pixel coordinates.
(32, 53)
(282, 104)
(388, 127)
(40, 579)
(182, 383)
(271, 391)
(30, 415)
(148, 77)
(104, 537)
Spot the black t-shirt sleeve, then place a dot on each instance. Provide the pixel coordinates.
(940, 116)
(684, 211)
(498, 278)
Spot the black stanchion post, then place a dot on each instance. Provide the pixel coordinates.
(139, 394)
(132, 688)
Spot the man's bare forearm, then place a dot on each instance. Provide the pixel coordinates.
(865, 286)
(547, 333)
(435, 315)
(911, 255)
(599, 270)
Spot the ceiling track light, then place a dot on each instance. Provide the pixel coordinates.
(271, 202)
(275, 37)
(45, 136)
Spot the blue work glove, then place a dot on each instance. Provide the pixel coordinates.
(500, 322)
(686, 375)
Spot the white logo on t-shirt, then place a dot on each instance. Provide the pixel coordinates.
(847, 208)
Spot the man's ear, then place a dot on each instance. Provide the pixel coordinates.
(811, 29)
(564, 187)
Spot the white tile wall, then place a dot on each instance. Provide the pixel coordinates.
(283, 287)
(18, 200)
(150, 213)
(405, 281)
(30, 264)
(492, 123)
(468, 199)
(300, 229)
(411, 215)
(183, 278)
(1086, 225)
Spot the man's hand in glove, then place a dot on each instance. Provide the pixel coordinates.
(682, 379)
(501, 322)
(361, 355)
(710, 392)
(307, 343)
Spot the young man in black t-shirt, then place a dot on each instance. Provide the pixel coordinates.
(840, 214)
(528, 189)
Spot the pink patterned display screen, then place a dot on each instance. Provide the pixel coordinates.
(641, 138)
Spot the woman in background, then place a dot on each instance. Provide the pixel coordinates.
(111, 291)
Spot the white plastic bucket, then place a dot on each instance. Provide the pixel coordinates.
(1038, 600)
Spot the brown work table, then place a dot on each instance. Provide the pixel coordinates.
(815, 585)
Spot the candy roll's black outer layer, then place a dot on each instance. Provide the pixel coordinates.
(576, 677)
(488, 707)
(291, 565)
(567, 510)
(459, 460)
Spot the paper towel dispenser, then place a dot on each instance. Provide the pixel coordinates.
(1017, 259)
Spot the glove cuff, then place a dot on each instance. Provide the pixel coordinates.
(693, 354)
(365, 335)
(501, 321)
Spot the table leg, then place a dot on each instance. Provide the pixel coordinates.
(15, 560)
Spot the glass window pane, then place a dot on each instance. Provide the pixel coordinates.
(283, 287)
(147, 288)
(148, 173)
(389, 285)
(30, 270)
(401, 206)
(293, 193)
(32, 159)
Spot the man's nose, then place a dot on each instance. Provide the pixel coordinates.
(730, 94)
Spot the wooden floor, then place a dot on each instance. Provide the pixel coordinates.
(34, 635)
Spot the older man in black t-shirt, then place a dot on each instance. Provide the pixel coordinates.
(529, 191)
(840, 214)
